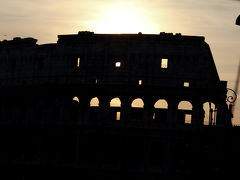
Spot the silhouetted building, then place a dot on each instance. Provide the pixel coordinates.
(112, 106)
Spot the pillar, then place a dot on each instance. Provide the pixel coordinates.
(126, 109)
(148, 111)
(222, 114)
(104, 107)
(197, 113)
(172, 112)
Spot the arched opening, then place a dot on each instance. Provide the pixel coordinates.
(210, 114)
(160, 111)
(115, 109)
(161, 104)
(137, 109)
(94, 102)
(75, 99)
(78, 62)
(137, 103)
(184, 114)
(93, 111)
(115, 102)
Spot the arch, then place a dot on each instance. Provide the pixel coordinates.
(137, 111)
(75, 99)
(115, 105)
(94, 102)
(160, 111)
(210, 113)
(161, 104)
(184, 112)
(185, 105)
(137, 103)
(115, 102)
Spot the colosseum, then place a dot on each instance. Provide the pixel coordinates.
(113, 106)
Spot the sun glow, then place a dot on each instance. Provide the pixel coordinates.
(122, 18)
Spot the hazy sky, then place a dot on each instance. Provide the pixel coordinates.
(214, 19)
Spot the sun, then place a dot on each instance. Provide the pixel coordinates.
(122, 18)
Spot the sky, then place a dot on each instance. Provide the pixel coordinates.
(214, 19)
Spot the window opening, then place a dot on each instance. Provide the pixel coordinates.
(78, 62)
(188, 118)
(184, 112)
(118, 64)
(160, 111)
(186, 84)
(161, 104)
(94, 102)
(210, 113)
(118, 116)
(164, 63)
(76, 99)
(138, 103)
(115, 102)
(154, 116)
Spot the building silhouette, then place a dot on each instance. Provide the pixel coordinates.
(113, 106)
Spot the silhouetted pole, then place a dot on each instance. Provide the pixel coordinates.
(238, 74)
(236, 84)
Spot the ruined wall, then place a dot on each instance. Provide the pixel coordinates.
(151, 67)
(189, 59)
(111, 104)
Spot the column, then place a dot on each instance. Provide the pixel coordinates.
(148, 111)
(84, 106)
(222, 114)
(104, 106)
(197, 113)
(172, 112)
(126, 109)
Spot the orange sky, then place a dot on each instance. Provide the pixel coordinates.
(214, 19)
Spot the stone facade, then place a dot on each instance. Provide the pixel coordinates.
(108, 106)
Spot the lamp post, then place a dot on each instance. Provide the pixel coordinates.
(234, 97)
